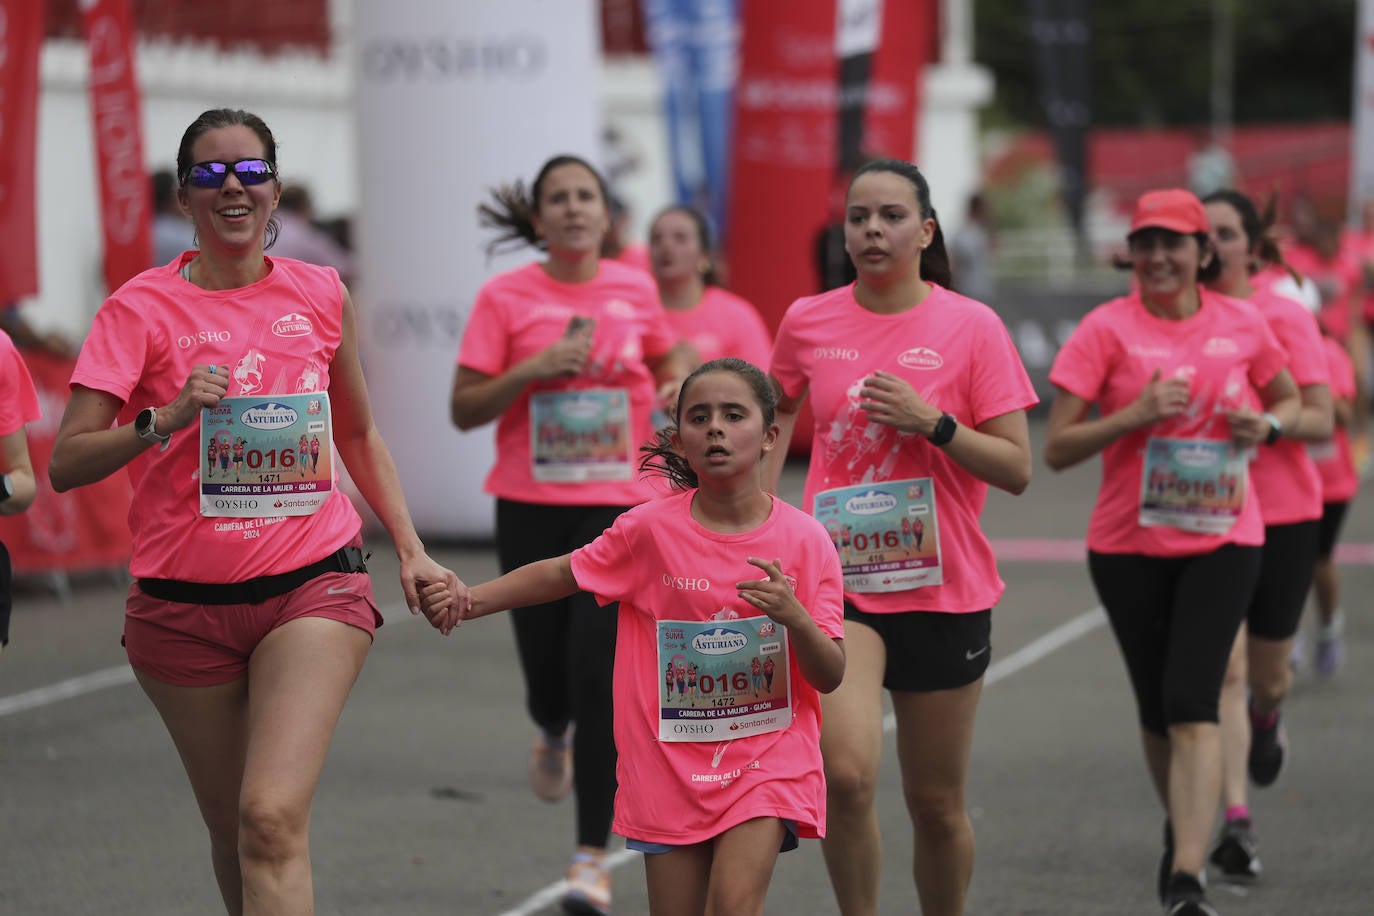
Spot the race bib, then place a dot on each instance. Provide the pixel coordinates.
(266, 457)
(723, 679)
(579, 436)
(1193, 485)
(887, 534)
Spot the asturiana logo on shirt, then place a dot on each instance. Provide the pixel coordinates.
(1195, 456)
(268, 415)
(848, 354)
(874, 502)
(720, 641)
(1220, 346)
(293, 325)
(921, 358)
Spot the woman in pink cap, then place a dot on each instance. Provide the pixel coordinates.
(1174, 539)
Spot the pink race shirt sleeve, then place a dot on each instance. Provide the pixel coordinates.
(277, 336)
(1223, 350)
(18, 399)
(956, 354)
(570, 459)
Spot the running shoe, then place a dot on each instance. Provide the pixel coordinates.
(551, 766)
(589, 888)
(1237, 851)
(1166, 862)
(1268, 748)
(1330, 645)
(1185, 897)
(1330, 655)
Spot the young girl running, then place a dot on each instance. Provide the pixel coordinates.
(738, 779)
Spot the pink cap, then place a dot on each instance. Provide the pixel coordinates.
(1174, 209)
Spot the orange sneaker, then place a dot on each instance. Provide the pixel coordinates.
(589, 887)
(551, 766)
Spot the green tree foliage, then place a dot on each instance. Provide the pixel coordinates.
(1152, 60)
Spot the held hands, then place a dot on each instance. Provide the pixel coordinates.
(890, 400)
(438, 593)
(1161, 399)
(205, 387)
(772, 595)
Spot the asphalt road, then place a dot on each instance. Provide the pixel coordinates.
(424, 808)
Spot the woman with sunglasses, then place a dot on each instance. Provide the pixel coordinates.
(920, 401)
(1178, 373)
(252, 613)
(577, 348)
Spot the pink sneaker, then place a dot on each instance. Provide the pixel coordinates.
(551, 766)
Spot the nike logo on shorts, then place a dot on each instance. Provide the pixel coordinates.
(970, 655)
(338, 591)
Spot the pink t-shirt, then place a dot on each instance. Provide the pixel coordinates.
(522, 312)
(1285, 479)
(18, 398)
(277, 336)
(1339, 280)
(662, 565)
(723, 324)
(1334, 461)
(1226, 348)
(958, 355)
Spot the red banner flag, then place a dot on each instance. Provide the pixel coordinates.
(125, 199)
(83, 529)
(21, 38)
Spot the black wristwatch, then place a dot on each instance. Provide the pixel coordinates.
(6, 487)
(944, 430)
(145, 424)
(1275, 429)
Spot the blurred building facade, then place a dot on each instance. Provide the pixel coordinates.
(292, 62)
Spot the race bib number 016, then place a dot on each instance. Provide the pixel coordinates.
(887, 534)
(265, 457)
(722, 679)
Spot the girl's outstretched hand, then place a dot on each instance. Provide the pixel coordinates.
(773, 595)
(444, 607)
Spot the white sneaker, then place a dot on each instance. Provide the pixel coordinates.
(589, 888)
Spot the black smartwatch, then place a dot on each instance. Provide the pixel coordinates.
(145, 424)
(1275, 429)
(944, 430)
(6, 487)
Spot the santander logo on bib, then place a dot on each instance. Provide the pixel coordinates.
(292, 325)
(921, 358)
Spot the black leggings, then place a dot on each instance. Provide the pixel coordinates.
(567, 651)
(1175, 619)
(1290, 555)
